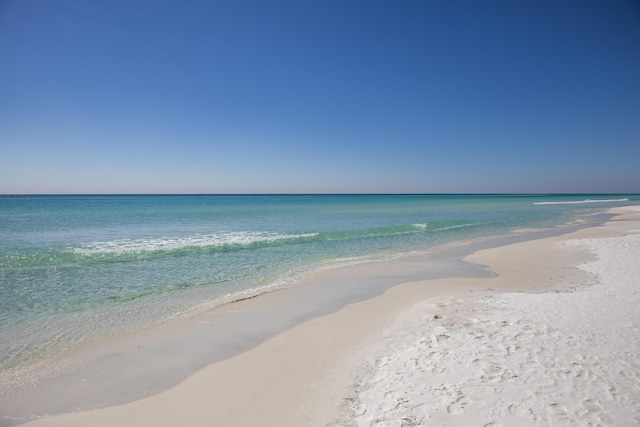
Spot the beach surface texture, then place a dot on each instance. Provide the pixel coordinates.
(552, 339)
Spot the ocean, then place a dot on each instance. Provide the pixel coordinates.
(79, 269)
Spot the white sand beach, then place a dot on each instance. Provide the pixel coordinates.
(568, 357)
(552, 339)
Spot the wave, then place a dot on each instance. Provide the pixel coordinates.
(574, 202)
(164, 244)
(394, 230)
(222, 242)
(246, 239)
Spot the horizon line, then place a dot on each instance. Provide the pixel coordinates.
(317, 194)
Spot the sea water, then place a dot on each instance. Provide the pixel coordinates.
(76, 269)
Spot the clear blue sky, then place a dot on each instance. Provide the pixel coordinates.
(154, 96)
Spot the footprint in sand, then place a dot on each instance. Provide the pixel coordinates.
(458, 407)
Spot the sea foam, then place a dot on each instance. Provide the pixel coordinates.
(575, 202)
(232, 238)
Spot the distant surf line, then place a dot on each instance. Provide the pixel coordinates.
(575, 202)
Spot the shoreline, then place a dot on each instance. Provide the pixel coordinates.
(564, 355)
(332, 337)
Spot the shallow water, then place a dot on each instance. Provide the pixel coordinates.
(75, 269)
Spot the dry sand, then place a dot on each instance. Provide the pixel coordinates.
(565, 358)
(442, 352)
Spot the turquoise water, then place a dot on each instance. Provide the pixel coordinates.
(80, 268)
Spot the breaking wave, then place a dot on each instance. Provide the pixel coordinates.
(247, 239)
(575, 202)
(218, 240)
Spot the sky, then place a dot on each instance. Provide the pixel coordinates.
(310, 96)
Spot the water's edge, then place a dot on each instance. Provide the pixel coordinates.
(143, 364)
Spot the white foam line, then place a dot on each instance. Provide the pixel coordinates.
(172, 243)
(574, 202)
